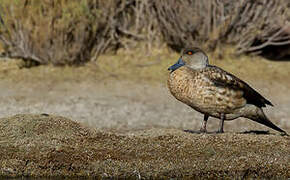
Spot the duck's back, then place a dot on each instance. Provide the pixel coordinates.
(197, 89)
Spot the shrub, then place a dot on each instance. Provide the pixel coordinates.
(59, 31)
(247, 25)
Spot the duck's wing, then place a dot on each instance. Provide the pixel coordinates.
(222, 78)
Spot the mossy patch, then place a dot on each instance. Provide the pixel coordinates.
(54, 146)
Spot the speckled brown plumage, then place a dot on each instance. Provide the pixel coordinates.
(214, 92)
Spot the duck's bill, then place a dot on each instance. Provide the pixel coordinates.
(177, 65)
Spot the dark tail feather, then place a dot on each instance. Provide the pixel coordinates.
(262, 119)
(268, 123)
(268, 102)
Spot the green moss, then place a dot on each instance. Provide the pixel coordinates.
(56, 146)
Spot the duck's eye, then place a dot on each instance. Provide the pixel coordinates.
(189, 52)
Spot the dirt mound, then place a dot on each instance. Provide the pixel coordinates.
(46, 145)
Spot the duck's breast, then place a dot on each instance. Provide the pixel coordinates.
(184, 84)
(195, 89)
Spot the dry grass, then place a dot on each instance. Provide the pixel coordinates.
(41, 145)
(140, 65)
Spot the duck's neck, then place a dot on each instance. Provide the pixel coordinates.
(200, 63)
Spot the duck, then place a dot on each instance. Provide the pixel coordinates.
(214, 92)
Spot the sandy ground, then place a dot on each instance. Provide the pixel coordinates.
(121, 105)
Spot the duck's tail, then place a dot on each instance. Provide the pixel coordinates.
(261, 118)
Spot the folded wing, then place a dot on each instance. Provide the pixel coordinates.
(224, 79)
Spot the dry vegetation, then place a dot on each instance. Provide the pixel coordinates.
(60, 32)
(247, 25)
(74, 32)
(46, 145)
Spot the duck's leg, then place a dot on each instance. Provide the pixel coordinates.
(221, 128)
(203, 126)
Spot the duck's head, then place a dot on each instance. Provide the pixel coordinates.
(194, 58)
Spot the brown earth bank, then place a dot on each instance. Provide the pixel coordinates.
(54, 146)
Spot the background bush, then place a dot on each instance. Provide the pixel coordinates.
(247, 25)
(60, 31)
(76, 31)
